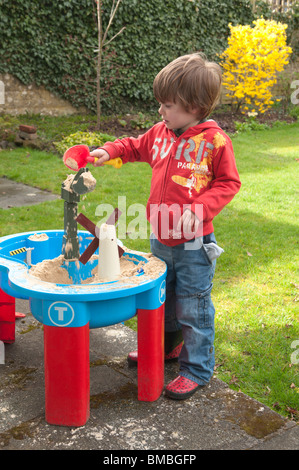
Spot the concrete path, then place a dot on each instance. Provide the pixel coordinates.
(215, 418)
(13, 194)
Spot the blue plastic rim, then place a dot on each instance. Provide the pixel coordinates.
(73, 305)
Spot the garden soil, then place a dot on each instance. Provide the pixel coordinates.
(225, 119)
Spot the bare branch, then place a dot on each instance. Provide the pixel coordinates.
(115, 35)
(113, 3)
(110, 20)
(101, 43)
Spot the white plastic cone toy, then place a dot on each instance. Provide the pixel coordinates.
(109, 265)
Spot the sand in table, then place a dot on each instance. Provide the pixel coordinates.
(51, 270)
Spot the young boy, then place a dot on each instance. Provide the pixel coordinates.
(194, 176)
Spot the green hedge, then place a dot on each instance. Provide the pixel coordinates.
(53, 42)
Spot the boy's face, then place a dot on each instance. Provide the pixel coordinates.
(175, 116)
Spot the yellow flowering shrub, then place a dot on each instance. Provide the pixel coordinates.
(251, 61)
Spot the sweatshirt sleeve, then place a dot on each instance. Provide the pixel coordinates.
(131, 149)
(224, 185)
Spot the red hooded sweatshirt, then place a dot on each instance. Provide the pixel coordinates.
(196, 170)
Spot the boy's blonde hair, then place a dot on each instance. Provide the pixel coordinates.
(192, 81)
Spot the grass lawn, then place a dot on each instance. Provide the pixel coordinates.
(256, 283)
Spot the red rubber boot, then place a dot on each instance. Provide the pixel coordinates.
(173, 346)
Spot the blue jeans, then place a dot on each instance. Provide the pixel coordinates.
(188, 305)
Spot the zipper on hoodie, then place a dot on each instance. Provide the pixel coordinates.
(169, 156)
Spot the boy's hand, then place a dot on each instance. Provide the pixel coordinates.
(102, 156)
(189, 222)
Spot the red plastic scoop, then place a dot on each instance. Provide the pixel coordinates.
(78, 156)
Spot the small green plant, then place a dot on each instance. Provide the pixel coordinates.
(250, 124)
(141, 122)
(87, 138)
(294, 111)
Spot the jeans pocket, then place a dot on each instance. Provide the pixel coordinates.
(212, 251)
(196, 310)
(206, 309)
(205, 254)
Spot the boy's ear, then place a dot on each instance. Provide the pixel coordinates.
(195, 111)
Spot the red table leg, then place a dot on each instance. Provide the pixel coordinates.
(7, 317)
(67, 382)
(150, 337)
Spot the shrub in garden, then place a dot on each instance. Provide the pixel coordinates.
(87, 138)
(251, 62)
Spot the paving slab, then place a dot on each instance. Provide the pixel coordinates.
(214, 418)
(13, 194)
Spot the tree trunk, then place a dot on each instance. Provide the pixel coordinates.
(99, 61)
